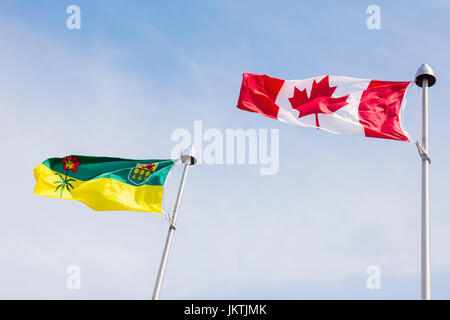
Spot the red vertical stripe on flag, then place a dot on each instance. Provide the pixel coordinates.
(258, 94)
(379, 109)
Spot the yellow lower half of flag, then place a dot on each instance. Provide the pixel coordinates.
(102, 194)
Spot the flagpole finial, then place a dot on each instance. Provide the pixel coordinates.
(425, 72)
(189, 156)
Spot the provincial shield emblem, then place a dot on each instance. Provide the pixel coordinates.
(141, 173)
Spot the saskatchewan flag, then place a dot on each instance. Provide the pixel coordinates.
(103, 183)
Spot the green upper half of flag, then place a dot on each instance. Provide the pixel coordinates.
(133, 172)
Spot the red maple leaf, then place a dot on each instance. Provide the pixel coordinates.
(320, 100)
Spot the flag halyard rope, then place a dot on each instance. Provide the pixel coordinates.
(423, 154)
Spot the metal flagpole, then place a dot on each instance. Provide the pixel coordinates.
(188, 158)
(425, 78)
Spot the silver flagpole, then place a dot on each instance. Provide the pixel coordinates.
(188, 158)
(425, 78)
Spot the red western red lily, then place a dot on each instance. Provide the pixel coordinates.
(71, 163)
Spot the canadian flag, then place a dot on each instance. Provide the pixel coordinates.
(336, 104)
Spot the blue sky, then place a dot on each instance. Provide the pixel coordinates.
(138, 70)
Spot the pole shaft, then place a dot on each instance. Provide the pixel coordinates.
(425, 216)
(165, 256)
